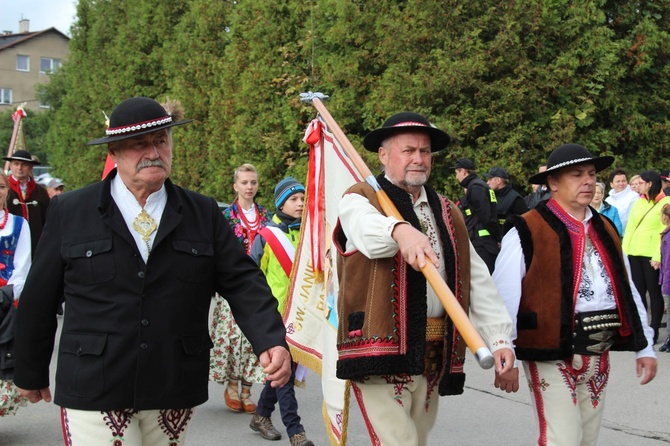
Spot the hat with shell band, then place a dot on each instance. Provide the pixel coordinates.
(406, 121)
(136, 116)
(569, 155)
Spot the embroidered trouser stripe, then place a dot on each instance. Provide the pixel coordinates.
(568, 398)
(397, 409)
(129, 427)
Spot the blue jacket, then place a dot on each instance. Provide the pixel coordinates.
(612, 213)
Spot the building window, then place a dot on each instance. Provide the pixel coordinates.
(22, 63)
(49, 65)
(5, 95)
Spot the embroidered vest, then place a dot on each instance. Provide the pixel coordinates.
(546, 311)
(382, 302)
(7, 248)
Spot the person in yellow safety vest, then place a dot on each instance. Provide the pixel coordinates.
(480, 209)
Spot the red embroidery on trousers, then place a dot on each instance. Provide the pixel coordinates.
(118, 421)
(598, 382)
(536, 387)
(361, 404)
(572, 377)
(173, 422)
(65, 426)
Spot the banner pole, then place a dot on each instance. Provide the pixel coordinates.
(17, 116)
(470, 335)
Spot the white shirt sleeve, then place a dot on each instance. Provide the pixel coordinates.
(509, 271)
(367, 230)
(487, 310)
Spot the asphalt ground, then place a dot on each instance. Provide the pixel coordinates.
(635, 415)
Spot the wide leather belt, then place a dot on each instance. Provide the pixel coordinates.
(594, 331)
(435, 327)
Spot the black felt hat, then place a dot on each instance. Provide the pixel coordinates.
(406, 121)
(136, 116)
(569, 155)
(21, 155)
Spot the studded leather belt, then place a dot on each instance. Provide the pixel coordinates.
(594, 331)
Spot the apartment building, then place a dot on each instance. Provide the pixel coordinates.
(27, 59)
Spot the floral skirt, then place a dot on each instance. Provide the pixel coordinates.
(232, 356)
(10, 398)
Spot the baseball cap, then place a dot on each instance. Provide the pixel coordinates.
(497, 171)
(464, 163)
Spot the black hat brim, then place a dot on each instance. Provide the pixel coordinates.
(11, 158)
(600, 163)
(122, 136)
(439, 139)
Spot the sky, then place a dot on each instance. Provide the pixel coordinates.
(43, 14)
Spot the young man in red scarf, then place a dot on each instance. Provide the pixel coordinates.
(27, 198)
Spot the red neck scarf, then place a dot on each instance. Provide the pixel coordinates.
(15, 185)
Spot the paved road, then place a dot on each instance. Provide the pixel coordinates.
(634, 415)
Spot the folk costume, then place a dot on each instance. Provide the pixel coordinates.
(136, 328)
(14, 265)
(232, 357)
(29, 200)
(566, 284)
(394, 340)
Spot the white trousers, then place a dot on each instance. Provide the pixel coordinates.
(399, 410)
(129, 427)
(569, 398)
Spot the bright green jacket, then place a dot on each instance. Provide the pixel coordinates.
(643, 230)
(264, 256)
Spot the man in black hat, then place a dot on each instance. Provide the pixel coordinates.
(395, 341)
(567, 286)
(480, 209)
(137, 259)
(508, 201)
(27, 198)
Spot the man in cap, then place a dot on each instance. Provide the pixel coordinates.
(55, 186)
(567, 286)
(27, 198)
(508, 201)
(395, 342)
(138, 259)
(481, 212)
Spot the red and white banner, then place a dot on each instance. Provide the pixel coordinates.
(311, 317)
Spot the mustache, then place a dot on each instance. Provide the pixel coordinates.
(150, 163)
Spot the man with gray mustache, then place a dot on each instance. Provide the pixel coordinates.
(138, 260)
